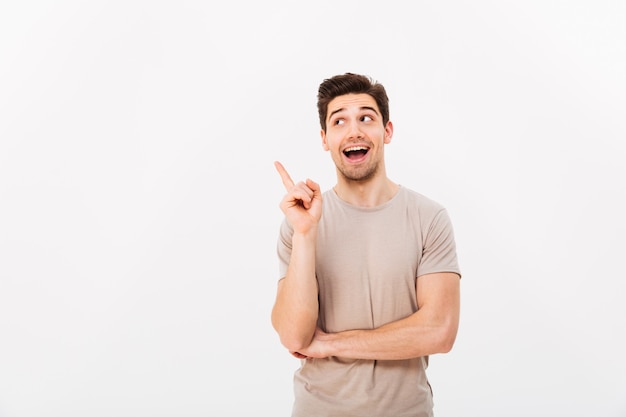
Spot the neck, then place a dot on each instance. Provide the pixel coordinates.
(366, 193)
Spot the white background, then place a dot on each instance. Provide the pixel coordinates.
(139, 203)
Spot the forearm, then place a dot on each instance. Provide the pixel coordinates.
(410, 337)
(431, 329)
(295, 311)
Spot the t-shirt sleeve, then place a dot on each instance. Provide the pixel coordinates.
(283, 247)
(439, 247)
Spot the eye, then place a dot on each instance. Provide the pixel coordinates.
(338, 122)
(366, 118)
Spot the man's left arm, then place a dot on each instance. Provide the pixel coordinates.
(431, 329)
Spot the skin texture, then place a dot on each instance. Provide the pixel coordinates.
(354, 121)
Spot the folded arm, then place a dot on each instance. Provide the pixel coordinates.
(431, 329)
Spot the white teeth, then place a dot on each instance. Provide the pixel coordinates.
(356, 148)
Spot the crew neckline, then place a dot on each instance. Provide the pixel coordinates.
(382, 206)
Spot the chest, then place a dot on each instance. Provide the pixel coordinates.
(366, 266)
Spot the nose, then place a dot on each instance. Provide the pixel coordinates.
(354, 130)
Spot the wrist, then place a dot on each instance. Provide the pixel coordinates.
(306, 235)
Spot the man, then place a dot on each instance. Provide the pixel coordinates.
(369, 280)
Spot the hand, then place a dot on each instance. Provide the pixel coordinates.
(303, 202)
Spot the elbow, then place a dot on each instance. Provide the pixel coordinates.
(293, 341)
(294, 344)
(446, 339)
(446, 345)
(293, 335)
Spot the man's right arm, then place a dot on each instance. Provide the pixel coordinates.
(295, 311)
(294, 315)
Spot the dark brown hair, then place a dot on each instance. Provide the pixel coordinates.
(350, 83)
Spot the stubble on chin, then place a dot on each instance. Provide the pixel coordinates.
(358, 174)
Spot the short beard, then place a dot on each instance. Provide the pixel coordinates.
(365, 175)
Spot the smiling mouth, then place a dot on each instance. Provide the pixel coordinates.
(356, 152)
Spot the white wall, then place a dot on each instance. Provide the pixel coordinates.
(139, 203)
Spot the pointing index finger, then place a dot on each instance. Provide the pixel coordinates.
(284, 175)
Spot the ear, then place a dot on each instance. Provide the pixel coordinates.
(388, 132)
(324, 143)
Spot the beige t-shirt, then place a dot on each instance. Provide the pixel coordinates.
(367, 263)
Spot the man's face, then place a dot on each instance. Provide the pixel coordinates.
(355, 135)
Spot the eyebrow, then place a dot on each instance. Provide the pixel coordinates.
(360, 108)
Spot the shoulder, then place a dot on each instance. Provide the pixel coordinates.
(419, 201)
(431, 215)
